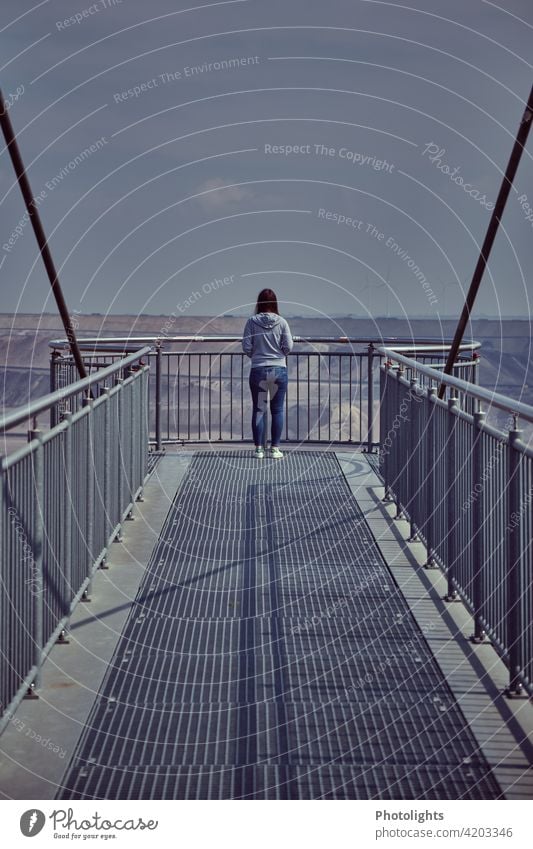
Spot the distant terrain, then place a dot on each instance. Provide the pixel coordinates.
(506, 354)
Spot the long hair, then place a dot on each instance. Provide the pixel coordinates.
(267, 301)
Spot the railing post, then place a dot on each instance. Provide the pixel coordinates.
(384, 389)
(430, 477)
(67, 527)
(391, 393)
(370, 399)
(413, 485)
(478, 554)
(266, 401)
(107, 468)
(144, 412)
(451, 507)
(392, 456)
(397, 453)
(120, 447)
(54, 357)
(89, 494)
(37, 583)
(475, 368)
(516, 627)
(158, 376)
(134, 469)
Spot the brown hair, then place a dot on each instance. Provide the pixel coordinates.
(267, 301)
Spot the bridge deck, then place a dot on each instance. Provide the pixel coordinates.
(270, 654)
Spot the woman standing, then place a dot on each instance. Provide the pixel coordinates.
(267, 340)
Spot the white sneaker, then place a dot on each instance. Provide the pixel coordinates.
(276, 454)
(259, 453)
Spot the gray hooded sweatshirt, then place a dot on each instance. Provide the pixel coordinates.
(267, 340)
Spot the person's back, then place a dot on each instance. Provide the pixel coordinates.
(267, 340)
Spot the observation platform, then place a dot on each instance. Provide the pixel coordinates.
(265, 631)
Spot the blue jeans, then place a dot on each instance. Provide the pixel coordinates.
(266, 381)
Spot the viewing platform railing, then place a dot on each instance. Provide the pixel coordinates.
(467, 490)
(199, 392)
(465, 487)
(63, 498)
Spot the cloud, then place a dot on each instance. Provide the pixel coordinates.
(221, 195)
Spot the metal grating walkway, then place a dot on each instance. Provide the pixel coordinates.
(270, 655)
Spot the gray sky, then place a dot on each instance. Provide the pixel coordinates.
(345, 153)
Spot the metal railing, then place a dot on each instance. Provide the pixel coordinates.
(467, 489)
(202, 395)
(63, 498)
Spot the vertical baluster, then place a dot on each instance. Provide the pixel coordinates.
(158, 365)
(231, 396)
(66, 540)
(89, 494)
(477, 547)
(516, 574)
(370, 410)
(242, 396)
(452, 474)
(37, 583)
(430, 477)
(199, 393)
(298, 397)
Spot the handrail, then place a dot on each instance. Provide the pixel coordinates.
(362, 359)
(64, 497)
(34, 408)
(502, 402)
(425, 344)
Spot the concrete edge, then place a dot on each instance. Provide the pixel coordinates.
(477, 677)
(38, 744)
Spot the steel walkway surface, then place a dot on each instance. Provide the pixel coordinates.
(270, 655)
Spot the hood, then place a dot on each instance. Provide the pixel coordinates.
(266, 319)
